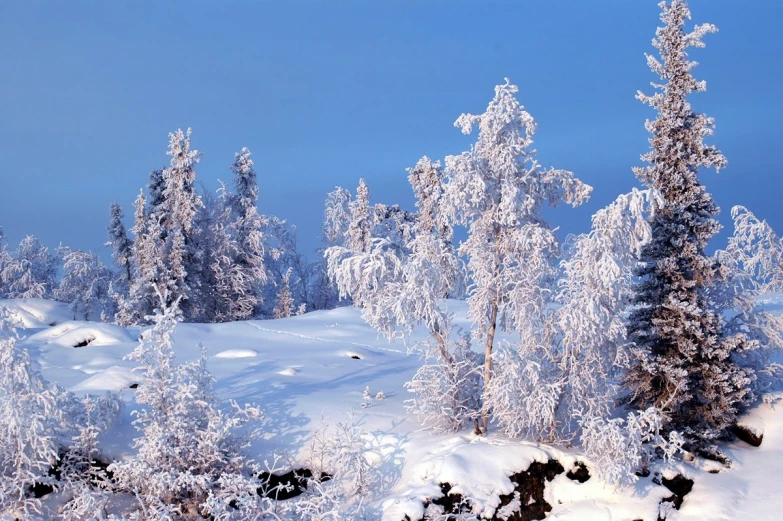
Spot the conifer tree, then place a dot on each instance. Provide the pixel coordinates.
(358, 235)
(682, 359)
(181, 205)
(121, 248)
(248, 232)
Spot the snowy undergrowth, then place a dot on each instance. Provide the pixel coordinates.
(302, 371)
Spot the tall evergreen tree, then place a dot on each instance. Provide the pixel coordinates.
(248, 231)
(121, 247)
(358, 235)
(181, 205)
(682, 359)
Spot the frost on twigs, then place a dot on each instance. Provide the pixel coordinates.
(620, 448)
(191, 451)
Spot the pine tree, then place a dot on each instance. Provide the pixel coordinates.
(121, 249)
(147, 266)
(180, 207)
(5, 260)
(248, 231)
(682, 359)
(497, 190)
(358, 235)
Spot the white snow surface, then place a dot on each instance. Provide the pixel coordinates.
(300, 368)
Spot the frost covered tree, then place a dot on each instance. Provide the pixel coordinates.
(497, 190)
(28, 426)
(180, 206)
(190, 456)
(594, 290)
(358, 236)
(682, 360)
(285, 302)
(31, 272)
(121, 249)
(337, 218)
(86, 284)
(5, 260)
(756, 250)
(147, 263)
(400, 288)
(248, 231)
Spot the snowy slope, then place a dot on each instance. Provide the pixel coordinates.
(300, 368)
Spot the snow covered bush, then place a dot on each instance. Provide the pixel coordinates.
(619, 448)
(341, 453)
(36, 420)
(190, 456)
(447, 387)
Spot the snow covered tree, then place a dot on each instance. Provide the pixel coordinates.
(248, 231)
(31, 272)
(497, 190)
(181, 204)
(757, 250)
(86, 284)
(5, 260)
(398, 288)
(121, 249)
(337, 219)
(147, 263)
(393, 223)
(358, 236)
(190, 456)
(285, 302)
(682, 360)
(28, 426)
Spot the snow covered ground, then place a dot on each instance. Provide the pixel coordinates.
(319, 364)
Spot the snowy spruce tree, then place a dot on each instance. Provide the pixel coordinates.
(147, 266)
(181, 205)
(31, 272)
(121, 250)
(248, 231)
(682, 360)
(358, 235)
(497, 190)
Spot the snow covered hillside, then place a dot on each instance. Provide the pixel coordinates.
(326, 363)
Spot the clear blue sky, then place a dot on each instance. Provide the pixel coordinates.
(325, 92)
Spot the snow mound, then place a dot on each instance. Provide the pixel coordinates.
(37, 312)
(82, 334)
(237, 353)
(114, 378)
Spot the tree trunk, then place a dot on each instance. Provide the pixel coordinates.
(488, 362)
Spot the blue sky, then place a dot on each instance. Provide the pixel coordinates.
(325, 92)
